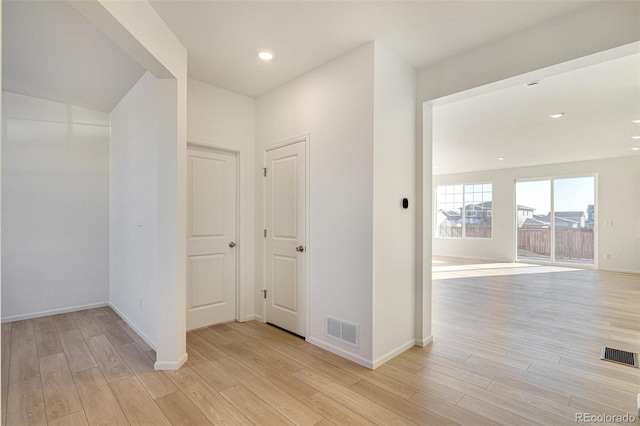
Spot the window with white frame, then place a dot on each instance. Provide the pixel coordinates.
(464, 211)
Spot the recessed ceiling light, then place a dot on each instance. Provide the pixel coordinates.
(265, 55)
(501, 158)
(635, 121)
(532, 84)
(557, 115)
(635, 137)
(635, 148)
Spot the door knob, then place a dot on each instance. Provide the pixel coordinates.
(232, 244)
(300, 249)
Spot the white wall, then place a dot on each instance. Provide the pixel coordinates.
(140, 31)
(393, 226)
(55, 199)
(134, 201)
(604, 26)
(618, 200)
(334, 104)
(226, 120)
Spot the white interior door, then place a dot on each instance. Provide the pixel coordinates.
(285, 259)
(212, 232)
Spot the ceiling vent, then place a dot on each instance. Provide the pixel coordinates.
(343, 331)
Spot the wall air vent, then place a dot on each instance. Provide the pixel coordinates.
(343, 331)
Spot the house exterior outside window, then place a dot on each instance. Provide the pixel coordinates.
(464, 211)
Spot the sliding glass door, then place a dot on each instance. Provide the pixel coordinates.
(555, 220)
(574, 206)
(533, 202)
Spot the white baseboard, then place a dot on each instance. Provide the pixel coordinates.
(54, 311)
(126, 319)
(487, 259)
(424, 342)
(170, 365)
(252, 317)
(340, 352)
(392, 354)
(620, 271)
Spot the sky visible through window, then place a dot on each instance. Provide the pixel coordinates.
(534, 194)
(571, 194)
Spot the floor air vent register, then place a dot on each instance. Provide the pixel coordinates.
(619, 356)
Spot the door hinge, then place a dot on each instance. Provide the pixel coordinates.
(265, 233)
(264, 293)
(264, 171)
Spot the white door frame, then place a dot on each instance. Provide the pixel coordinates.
(306, 139)
(239, 190)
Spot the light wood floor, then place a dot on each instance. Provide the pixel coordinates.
(515, 349)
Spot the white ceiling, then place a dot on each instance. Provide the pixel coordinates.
(51, 51)
(599, 102)
(224, 37)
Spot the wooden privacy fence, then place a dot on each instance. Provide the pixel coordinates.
(535, 241)
(477, 231)
(469, 232)
(570, 243)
